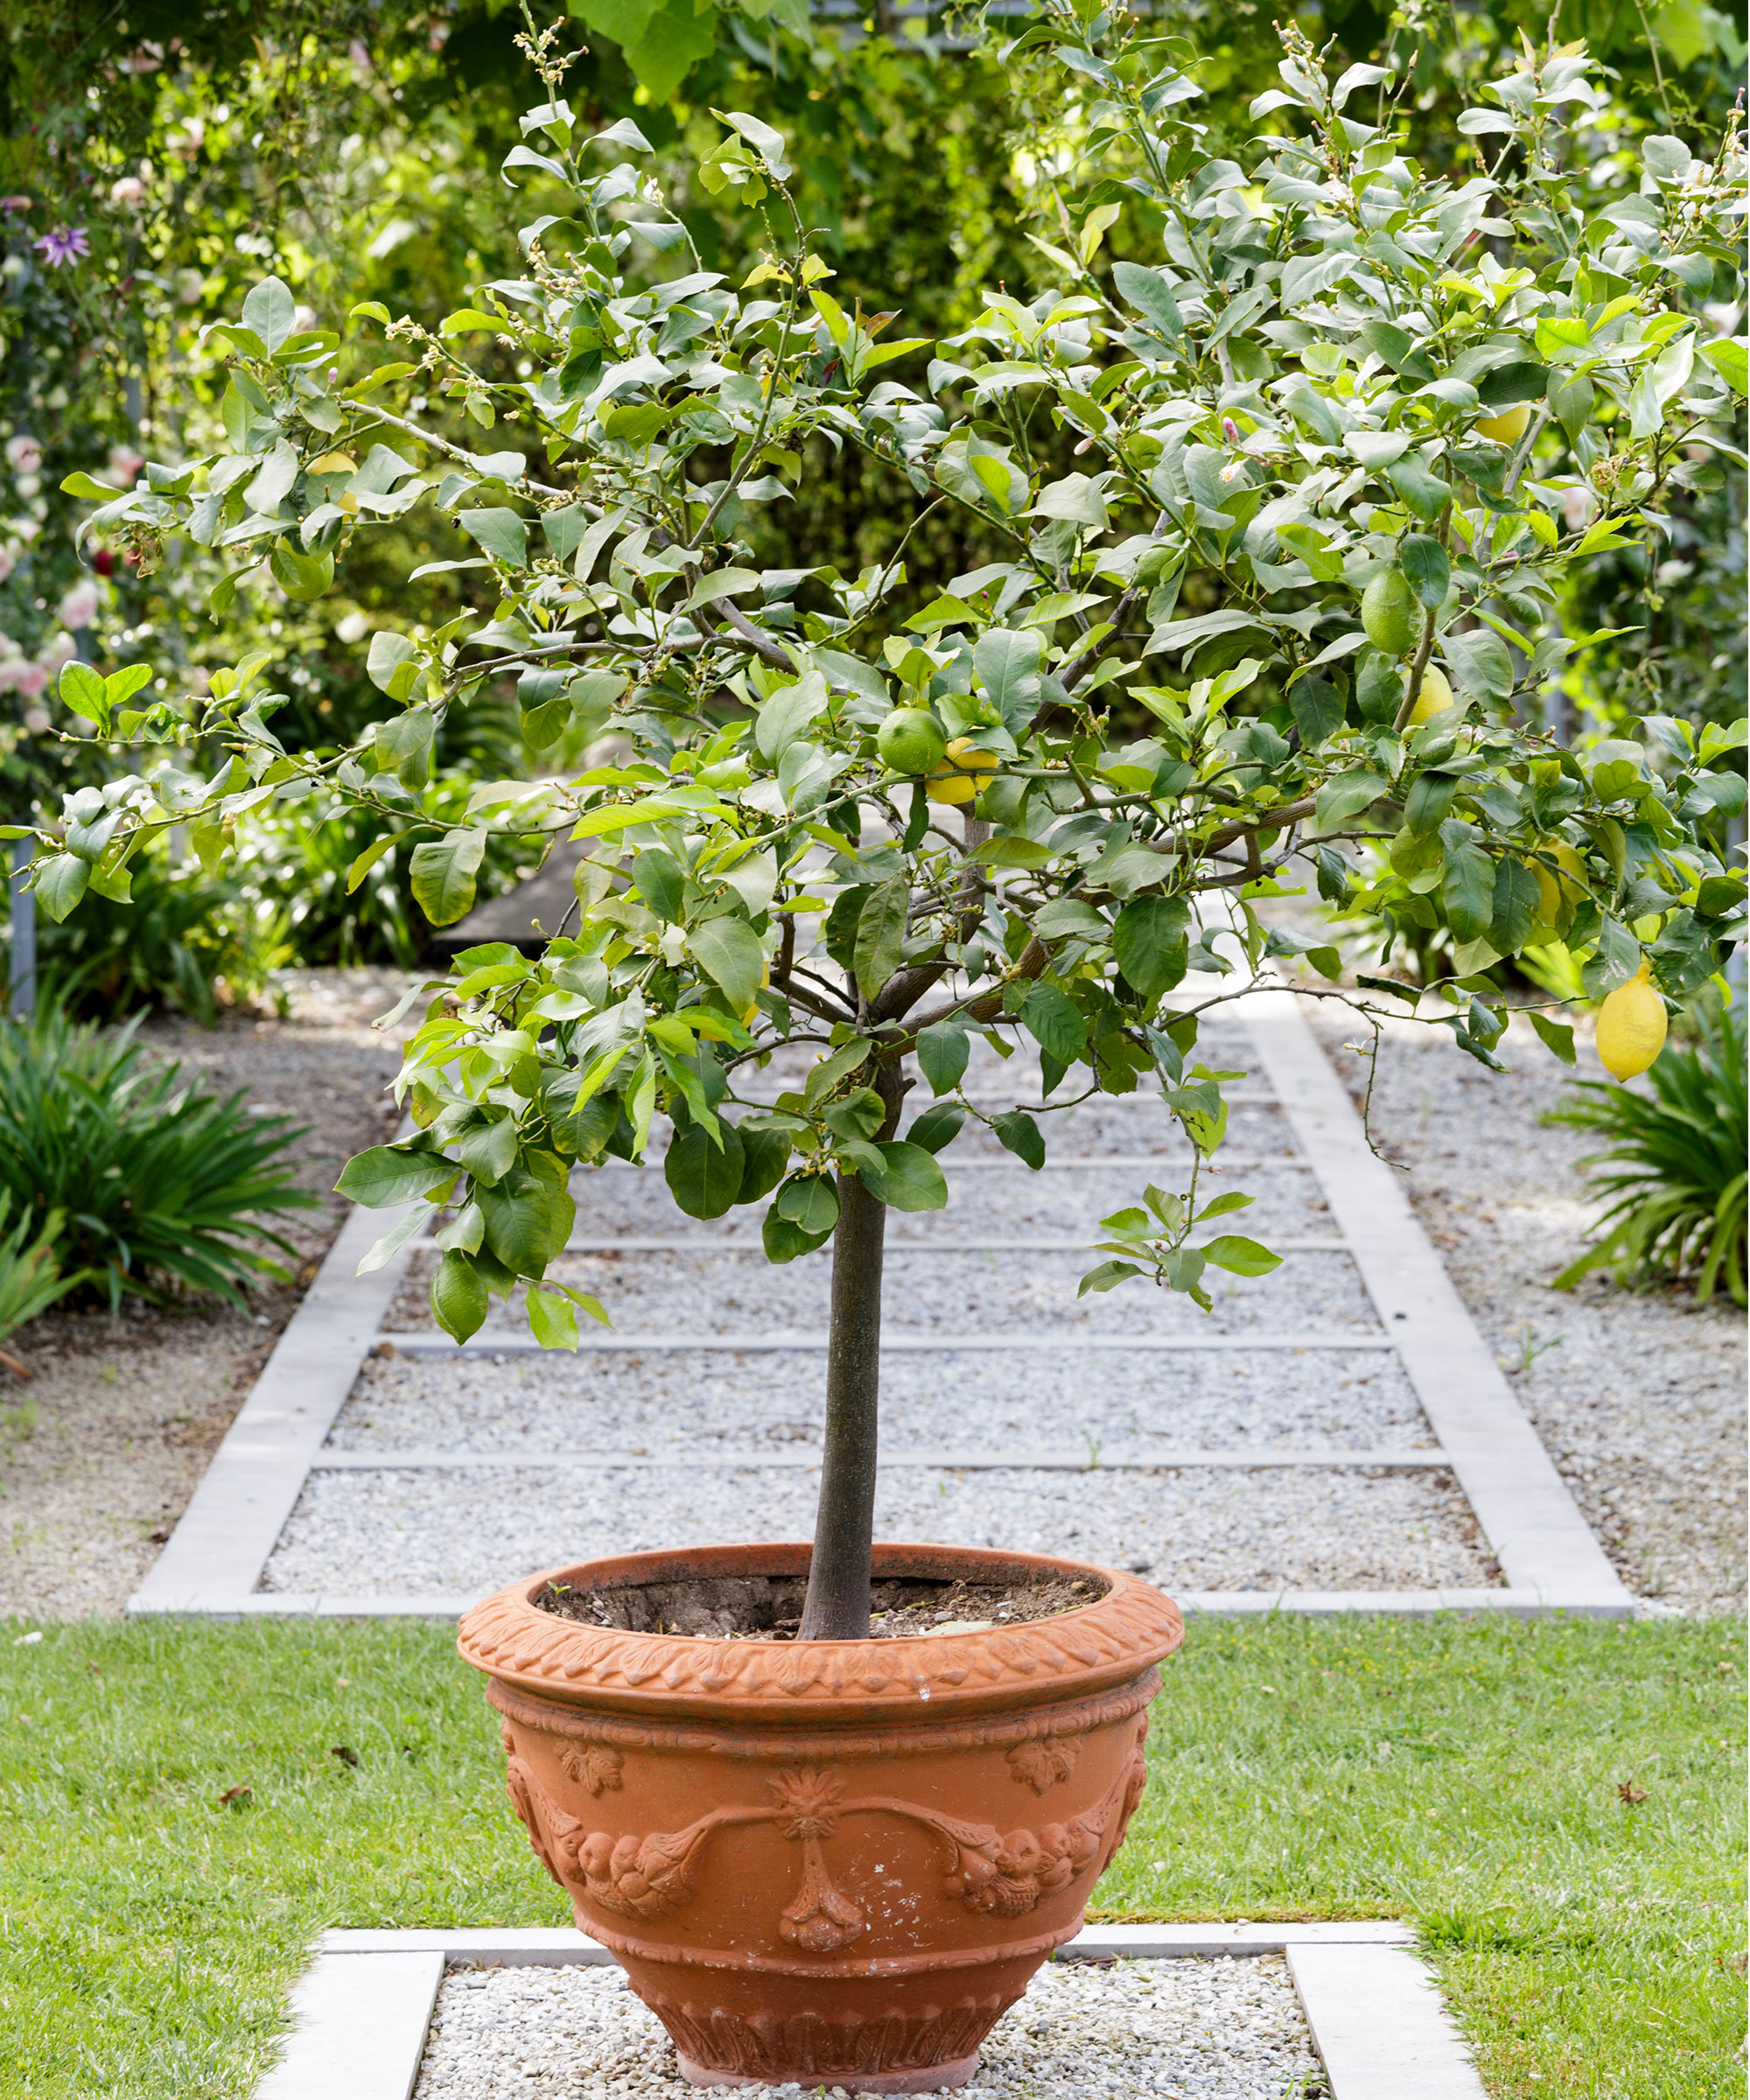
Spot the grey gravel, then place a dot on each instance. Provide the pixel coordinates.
(734, 1290)
(1167, 2030)
(1200, 1528)
(1005, 1200)
(662, 1400)
(1640, 1396)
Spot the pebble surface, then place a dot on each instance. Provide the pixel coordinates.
(1141, 2030)
(1215, 1529)
(649, 1403)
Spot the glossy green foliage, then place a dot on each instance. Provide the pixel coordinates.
(1358, 392)
(1671, 1166)
(153, 1186)
(31, 1280)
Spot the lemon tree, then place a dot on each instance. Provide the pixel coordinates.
(1046, 805)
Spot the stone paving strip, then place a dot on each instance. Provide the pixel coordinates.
(1283, 1446)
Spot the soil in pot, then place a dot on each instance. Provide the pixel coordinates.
(766, 1607)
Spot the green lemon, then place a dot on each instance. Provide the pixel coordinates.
(1389, 613)
(911, 741)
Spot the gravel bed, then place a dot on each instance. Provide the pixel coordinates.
(965, 1399)
(1199, 1529)
(100, 1450)
(732, 1289)
(1005, 1201)
(1639, 1398)
(1167, 2030)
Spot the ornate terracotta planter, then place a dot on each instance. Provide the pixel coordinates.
(831, 1862)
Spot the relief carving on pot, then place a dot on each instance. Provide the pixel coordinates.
(782, 2045)
(1042, 1762)
(1005, 1872)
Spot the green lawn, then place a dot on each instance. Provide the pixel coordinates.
(177, 1826)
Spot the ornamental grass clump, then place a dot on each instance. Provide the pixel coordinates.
(141, 1182)
(1360, 402)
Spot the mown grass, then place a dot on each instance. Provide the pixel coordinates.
(1467, 1775)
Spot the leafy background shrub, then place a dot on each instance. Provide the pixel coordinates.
(154, 1184)
(30, 1279)
(1673, 1164)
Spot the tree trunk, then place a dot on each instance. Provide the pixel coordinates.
(837, 1607)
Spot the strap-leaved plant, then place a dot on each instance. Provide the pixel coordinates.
(1380, 412)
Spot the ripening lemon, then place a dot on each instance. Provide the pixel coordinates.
(1631, 1027)
(1509, 427)
(1434, 698)
(911, 741)
(957, 781)
(1389, 613)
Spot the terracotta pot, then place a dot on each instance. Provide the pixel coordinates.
(834, 1862)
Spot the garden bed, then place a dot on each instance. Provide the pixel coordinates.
(103, 1445)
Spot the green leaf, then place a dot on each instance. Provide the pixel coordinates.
(1517, 907)
(784, 1240)
(1050, 1016)
(387, 1175)
(810, 1202)
(782, 719)
(1239, 1256)
(1425, 567)
(908, 1180)
(1107, 1277)
(1466, 882)
(1318, 708)
(765, 1157)
(501, 534)
(662, 882)
(60, 883)
(705, 1178)
(1555, 1035)
(1008, 662)
(1428, 804)
(1731, 359)
(81, 693)
(1508, 385)
(390, 655)
(529, 1220)
(943, 1049)
(460, 1303)
(938, 1126)
(1152, 296)
(728, 950)
(488, 1149)
(270, 310)
(552, 1319)
(383, 1251)
(1017, 1133)
(879, 946)
(363, 863)
(443, 871)
(1425, 493)
(1150, 941)
(1347, 796)
(1480, 662)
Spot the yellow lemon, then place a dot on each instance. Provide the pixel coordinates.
(1549, 895)
(1631, 1027)
(966, 755)
(958, 781)
(1434, 698)
(1507, 428)
(952, 787)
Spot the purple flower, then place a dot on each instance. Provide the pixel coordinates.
(65, 244)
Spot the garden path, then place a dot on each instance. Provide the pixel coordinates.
(1335, 1434)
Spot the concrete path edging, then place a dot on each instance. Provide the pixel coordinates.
(1532, 1521)
(361, 2011)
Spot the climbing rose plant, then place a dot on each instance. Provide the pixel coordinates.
(1383, 412)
